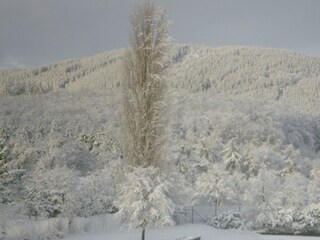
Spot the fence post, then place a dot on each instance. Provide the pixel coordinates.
(192, 214)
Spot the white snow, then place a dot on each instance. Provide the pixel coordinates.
(174, 233)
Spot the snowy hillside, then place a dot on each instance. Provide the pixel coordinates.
(260, 95)
(267, 98)
(245, 115)
(271, 74)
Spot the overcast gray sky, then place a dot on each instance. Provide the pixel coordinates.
(37, 32)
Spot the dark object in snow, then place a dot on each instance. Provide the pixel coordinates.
(113, 210)
(189, 238)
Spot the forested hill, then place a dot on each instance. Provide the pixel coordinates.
(67, 114)
(245, 110)
(265, 74)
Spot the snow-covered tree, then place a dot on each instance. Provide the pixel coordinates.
(232, 159)
(291, 154)
(143, 87)
(96, 193)
(144, 119)
(263, 194)
(251, 165)
(293, 191)
(4, 152)
(50, 193)
(144, 199)
(288, 168)
(316, 129)
(213, 186)
(314, 187)
(239, 184)
(5, 191)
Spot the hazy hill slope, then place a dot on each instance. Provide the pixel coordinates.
(68, 112)
(270, 74)
(62, 75)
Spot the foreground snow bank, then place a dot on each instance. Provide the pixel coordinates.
(56, 227)
(174, 233)
(104, 227)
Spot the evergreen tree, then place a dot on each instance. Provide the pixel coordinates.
(5, 179)
(316, 138)
(251, 165)
(232, 159)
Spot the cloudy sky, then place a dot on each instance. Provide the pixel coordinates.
(38, 32)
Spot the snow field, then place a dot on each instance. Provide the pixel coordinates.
(57, 227)
(174, 233)
(105, 227)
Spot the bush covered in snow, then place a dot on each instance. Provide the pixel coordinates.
(295, 221)
(227, 220)
(50, 193)
(96, 193)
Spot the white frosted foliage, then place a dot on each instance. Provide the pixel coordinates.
(232, 159)
(213, 185)
(264, 195)
(294, 190)
(314, 186)
(144, 199)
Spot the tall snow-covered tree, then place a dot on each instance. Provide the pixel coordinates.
(144, 119)
(4, 152)
(238, 184)
(213, 185)
(293, 190)
(232, 159)
(314, 187)
(251, 165)
(263, 194)
(316, 129)
(143, 87)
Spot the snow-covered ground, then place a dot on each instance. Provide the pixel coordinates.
(174, 233)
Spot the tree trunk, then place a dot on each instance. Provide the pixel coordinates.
(143, 233)
(215, 208)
